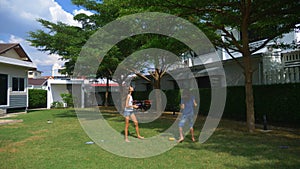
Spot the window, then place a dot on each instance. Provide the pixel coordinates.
(18, 84)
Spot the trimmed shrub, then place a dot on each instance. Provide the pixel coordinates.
(37, 98)
(280, 103)
(173, 100)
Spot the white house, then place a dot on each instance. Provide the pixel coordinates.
(56, 87)
(14, 67)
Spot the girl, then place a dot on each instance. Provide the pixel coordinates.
(128, 113)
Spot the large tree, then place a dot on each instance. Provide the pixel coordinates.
(61, 39)
(264, 20)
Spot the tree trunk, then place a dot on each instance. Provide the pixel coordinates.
(157, 93)
(106, 92)
(249, 94)
(246, 10)
(249, 102)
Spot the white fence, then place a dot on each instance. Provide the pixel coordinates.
(288, 75)
(290, 71)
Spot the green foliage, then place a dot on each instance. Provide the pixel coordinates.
(205, 99)
(173, 100)
(37, 98)
(254, 18)
(141, 95)
(68, 99)
(235, 107)
(61, 39)
(57, 104)
(280, 103)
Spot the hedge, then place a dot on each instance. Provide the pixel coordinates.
(37, 98)
(280, 103)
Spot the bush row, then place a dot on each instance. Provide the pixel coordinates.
(280, 103)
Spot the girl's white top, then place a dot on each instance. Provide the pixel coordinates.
(130, 103)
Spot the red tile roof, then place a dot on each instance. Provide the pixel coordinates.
(39, 82)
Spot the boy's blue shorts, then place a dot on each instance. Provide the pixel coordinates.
(185, 118)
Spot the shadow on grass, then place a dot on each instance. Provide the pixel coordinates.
(275, 149)
(62, 113)
(65, 113)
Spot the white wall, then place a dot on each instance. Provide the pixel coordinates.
(56, 87)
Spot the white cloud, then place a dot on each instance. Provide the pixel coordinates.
(18, 17)
(14, 39)
(58, 14)
(88, 13)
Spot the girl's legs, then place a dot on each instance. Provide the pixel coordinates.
(136, 124)
(126, 128)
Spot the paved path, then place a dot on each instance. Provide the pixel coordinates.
(4, 119)
(7, 121)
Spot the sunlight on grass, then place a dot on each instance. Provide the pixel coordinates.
(34, 143)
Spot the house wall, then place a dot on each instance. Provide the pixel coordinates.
(235, 74)
(77, 93)
(16, 99)
(140, 84)
(56, 90)
(57, 87)
(167, 83)
(11, 54)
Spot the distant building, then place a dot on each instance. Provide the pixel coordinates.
(34, 74)
(56, 71)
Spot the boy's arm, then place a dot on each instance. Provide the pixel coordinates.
(195, 103)
(181, 106)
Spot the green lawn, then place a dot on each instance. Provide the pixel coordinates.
(36, 144)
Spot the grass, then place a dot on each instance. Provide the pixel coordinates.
(36, 144)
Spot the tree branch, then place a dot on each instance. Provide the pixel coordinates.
(235, 59)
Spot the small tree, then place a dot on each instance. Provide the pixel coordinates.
(68, 99)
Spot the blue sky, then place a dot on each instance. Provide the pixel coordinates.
(18, 17)
(67, 5)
